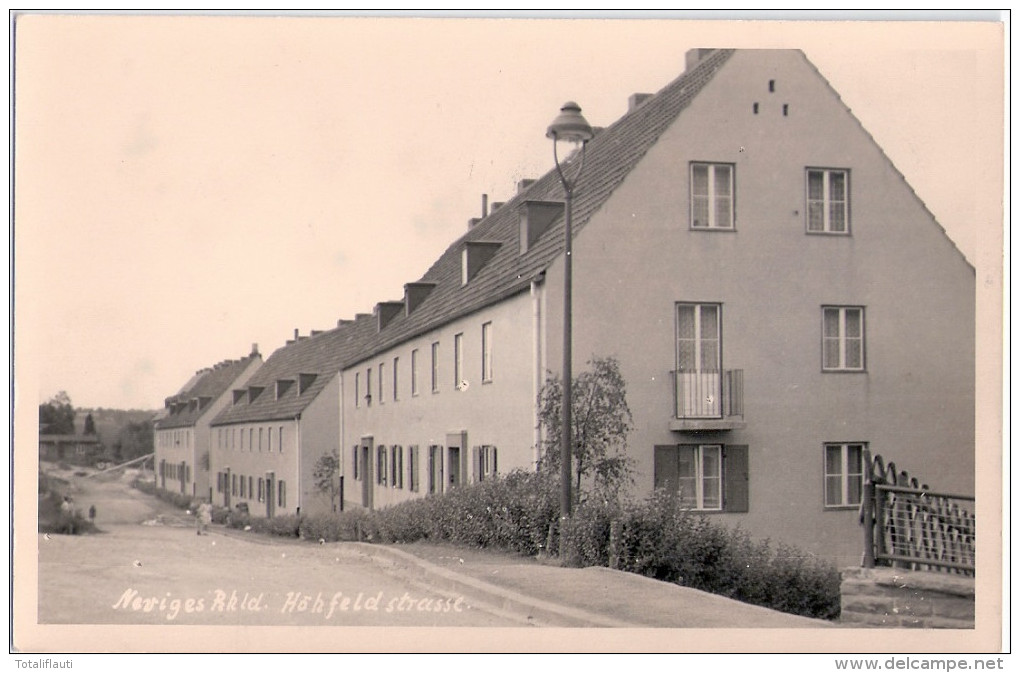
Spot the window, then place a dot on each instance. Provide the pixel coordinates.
(243, 483)
(260, 440)
(262, 492)
(251, 439)
(710, 477)
(354, 463)
(711, 196)
(382, 379)
(698, 360)
(435, 469)
(485, 462)
(842, 338)
(380, 466)
(414, 372)
(368, 386)
(395, 386)
(828, 201)
(251, 487)
(844, 474)
(412, 468)
(397, 466)
(233, 483)
(357, 389)
(458, 360)
(486, 352)
(282, 491)
(242, 439)
(281, 439)
(435, 367)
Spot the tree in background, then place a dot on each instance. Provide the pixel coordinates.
(135, 440)
(326, 477)
(56, 417)
(90, 425)
(601, 421)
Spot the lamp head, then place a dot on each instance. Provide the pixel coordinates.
(570, 125)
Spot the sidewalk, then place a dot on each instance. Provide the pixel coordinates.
(553, 596)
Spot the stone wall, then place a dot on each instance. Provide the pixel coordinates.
(895, 597)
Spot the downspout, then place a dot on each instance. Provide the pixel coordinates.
(342, 442)
(538, 363)
(300, 459)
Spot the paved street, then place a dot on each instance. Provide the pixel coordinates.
(139, 571)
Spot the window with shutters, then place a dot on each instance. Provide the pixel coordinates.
(828, 201)
(842, 338)
(706, 477)
(412, 468)
(484, 464)
(712, 196)
(844, 474)
(397, 466)
(435, 468)
(380, 466)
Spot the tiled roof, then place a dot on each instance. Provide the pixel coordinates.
(208, 385)
(610, 156)
(323, 355)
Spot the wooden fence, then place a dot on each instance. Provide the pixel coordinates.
(908, 525)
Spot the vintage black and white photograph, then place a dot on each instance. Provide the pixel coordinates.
(631, 332)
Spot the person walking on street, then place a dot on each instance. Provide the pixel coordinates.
(203, 517)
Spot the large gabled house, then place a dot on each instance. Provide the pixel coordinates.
(278, 424)
(779, 299)
(182, 432)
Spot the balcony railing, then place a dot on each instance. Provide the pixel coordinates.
(708, 399)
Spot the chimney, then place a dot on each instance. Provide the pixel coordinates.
(297, 334)
(496, 205)
(636, 100)
(524, 184)
(473, 221)
(485, 205)
(254, 348)
(695, 56)
(344, 322)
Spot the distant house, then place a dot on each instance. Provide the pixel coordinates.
(74, 449)
(181, 431)
(777, 296)
(267, 440)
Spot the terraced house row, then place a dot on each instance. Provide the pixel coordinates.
(777, 296)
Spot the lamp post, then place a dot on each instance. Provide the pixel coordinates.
(571, 128)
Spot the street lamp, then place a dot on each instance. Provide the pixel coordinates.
(571, 128)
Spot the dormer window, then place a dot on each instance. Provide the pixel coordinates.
(282, 386)
(537, 218)
(254, 392)
(305, 381)
(474, 256)
(239, 396)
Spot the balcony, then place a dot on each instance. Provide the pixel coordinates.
(707, 401)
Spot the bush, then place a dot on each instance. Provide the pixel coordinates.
(657, 538)
(288, 525)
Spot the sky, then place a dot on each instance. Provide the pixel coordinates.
(188, 186)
